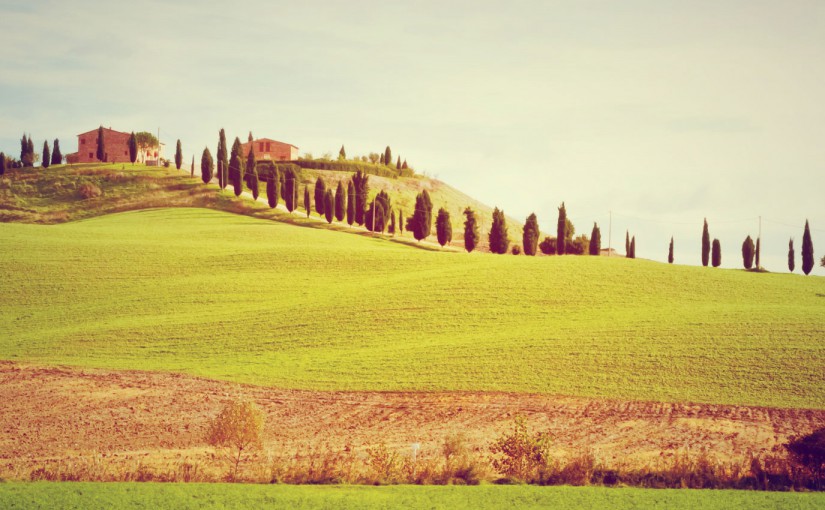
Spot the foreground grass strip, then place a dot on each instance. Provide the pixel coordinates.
(241, 299)
(65, 495)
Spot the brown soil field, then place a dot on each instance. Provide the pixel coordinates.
(60, 414)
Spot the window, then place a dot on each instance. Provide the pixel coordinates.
(261, 147)
(90, 155)
(267, 146)
(82, 141)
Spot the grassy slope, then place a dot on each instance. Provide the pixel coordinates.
(200, 496)
(232, 297)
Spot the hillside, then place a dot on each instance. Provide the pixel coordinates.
(235, 298)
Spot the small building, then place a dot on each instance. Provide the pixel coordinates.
(273, 150)
(116, 147)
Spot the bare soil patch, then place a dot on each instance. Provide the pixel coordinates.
(54, 414)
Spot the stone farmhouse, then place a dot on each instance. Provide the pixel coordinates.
(116, 145)
(273, 150)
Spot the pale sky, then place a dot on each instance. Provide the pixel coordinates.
(664, 112)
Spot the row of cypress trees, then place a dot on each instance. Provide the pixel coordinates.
(47, 157)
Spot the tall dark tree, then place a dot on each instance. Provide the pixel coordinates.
(57, 156)
(705, 244)
(236, 168)
(207, 166)
(758, 252)
(249, 138)
(561, 230)
(381, 158)
(387, 156)
(392, 228)
(24, 151)
(30, 150)
(421, 222)
(376, 218)
(716, 253)
(178, 155)
(670, 252)
(290, 188)
(101, 145)
(404, 165)
(748, 251)
(362, 188)
(307, 201)
(2, 163)
(443, 227)
(251, 168)
(595, 247)
(340, 201)
(471, 235)
(791, 257)
(46, 157)
(530, 235)
(398, 163)
(633, 247)
(342, 154)
(320, 190)
(329, 205)
(401, 222)
(350, 203)
(192, 167)
(223, 161)
(807, 250)
(627, 243)
(133, 148)
(499, 242)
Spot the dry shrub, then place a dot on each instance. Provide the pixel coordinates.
(519, 456)
(88, 190)
(579, 470)
(383, 465)
(460, 467)
(315, 467)
(238, 428)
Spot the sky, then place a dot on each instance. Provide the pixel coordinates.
(663, 112)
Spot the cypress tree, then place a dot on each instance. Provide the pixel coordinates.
(443, 227)
(499, 242)
(2, 163)
(251, 168)
(252, 180)
(421, 222)
(340, 201)
(30, 150)
(670, 252)
(404, 165)
(223, 163)
(307, 201)
(376, 217)
(401, 222)
(561, 230)
(24, 149)
(627, 243)
(381, 159)
(361, 183)
(716, 255)
(329, 205)
(178, 155)
(133, 148)
(398, 163)
(530, 235)
(595, 240)
(391, 228)
(747, 252)
(46, 157)
(207, 166)
(350, 203)
(192, 167)
(633, 247)
(57, 156)
(471, 235)
(342, 154)
(758, 251)
(320, 190)
(101, 145)
(236, 168)
(705, 244)
(791, 261)
(807, 250)
(290, 189)
(387, 156)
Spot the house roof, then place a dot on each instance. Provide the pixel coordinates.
(269, 140)
(104, 129)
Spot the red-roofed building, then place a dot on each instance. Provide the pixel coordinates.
(266, 148)
(116, 145)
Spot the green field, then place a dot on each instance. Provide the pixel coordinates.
(50, 495)
(231, 297)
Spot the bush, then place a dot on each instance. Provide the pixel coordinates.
(238, 427)
(352, 166)
(516, 250)
(87, 191)
(809, 453)
(548, 246)
(520, 456)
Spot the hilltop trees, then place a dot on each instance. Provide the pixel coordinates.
(57, 156)
(340, 201)
(360, 182)
(307, 201)
(377, 216)
(47, 156)
(101, 145)
(223, 163)
(421, 222)
(670, 252)
(791, 261)
(252, 177)
(499, 242)
(530, 235)
(290, 188)
(595, 240)
(26, 151)
(178, 155)
(207, 166)
(133, 148)
(627, 243)
(329, 205)
(632, 253)
(561, 230)
(342, 154)
(716, 256)
(387, 156)
(471, 235)
(807, 250)
(748, 252)
(705, 244)
(320, 191)
(236, 167)
(350, 203)
(443, 227)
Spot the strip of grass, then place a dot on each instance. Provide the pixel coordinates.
(65, 495)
